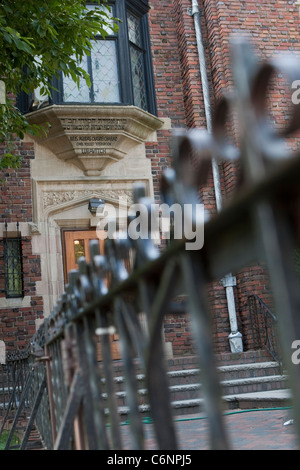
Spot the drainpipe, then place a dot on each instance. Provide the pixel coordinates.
(2, 92)
(229, 281)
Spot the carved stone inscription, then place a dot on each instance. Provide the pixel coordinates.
(93, 124)
(98, 144)
(94, 140)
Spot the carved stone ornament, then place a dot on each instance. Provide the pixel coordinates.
(34, 228)
(55, 198)
(93, 137)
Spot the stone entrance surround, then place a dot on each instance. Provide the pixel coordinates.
(64, 178)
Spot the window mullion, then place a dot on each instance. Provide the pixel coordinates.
(149, 76)
(124, 56)
(90, 72)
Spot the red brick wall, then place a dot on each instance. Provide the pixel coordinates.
(15, 202)
(177, 330)
(17, 324)
(273, 27)
(168, 84)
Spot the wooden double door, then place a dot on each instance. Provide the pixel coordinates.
(76, 244)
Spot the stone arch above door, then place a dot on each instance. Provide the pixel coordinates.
(64, 205)
(55, 197)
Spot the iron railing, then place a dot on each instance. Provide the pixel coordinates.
(12, 377)
(264, 327)
(23, 402)
(259, 224)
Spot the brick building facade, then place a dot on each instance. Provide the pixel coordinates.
(49, 194)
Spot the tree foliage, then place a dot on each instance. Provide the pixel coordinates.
(39, 39)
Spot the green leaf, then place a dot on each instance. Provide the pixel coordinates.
(59, 32)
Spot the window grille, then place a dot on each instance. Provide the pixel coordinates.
(13, 274)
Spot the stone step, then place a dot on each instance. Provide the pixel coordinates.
(252, 385)
(192, 362)
(226, 373)
(228, 387)
(223, 359)
(231, 372)
(253, 400)
(243, 371)
(190, 391)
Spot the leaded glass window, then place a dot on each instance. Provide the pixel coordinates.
(73, 93)
(105, 72)
(137, 61)
(102, 67)
(119, 66)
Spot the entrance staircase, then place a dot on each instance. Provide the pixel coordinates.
(248, 380)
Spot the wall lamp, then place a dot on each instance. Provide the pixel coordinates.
(95, 205)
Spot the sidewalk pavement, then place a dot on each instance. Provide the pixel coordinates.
(262, 429)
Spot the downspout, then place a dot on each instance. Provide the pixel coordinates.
(229, 281)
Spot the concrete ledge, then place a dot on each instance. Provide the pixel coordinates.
(15, 303)
(254, 400)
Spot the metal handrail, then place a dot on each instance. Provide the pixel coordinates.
(268, 322)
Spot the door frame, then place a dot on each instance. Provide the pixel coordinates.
(114, 339)
(64, 247)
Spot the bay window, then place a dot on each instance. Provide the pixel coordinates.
(119, 66)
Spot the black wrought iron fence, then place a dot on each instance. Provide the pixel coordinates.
(260, 223)
(22, 399)
(12, 378)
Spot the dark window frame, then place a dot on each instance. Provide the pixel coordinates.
(120, 7)
(13, 266)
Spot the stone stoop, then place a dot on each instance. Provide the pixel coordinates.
(248, 381)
